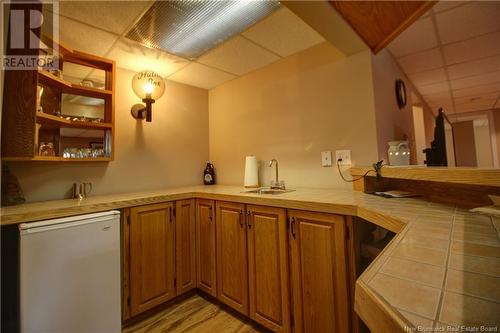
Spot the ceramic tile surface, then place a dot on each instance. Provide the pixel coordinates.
(459, 309)
(443, 266)
(407, 295)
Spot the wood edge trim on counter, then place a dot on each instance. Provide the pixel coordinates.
(379, 316)
(386, 221)
(86, 208)
(470, 176)
(94, 207)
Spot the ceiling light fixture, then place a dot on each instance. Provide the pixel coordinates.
(148, 86)
(189, 28)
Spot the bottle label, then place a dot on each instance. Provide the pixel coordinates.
(208, 178)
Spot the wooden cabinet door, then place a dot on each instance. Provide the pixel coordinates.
(205, 246)
(268, 267)
(232, 272)
(152, 251)
(319, 277)
(185, 245)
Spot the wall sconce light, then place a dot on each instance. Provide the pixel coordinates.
(148, 86)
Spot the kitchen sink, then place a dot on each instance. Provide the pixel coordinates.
(267, 190)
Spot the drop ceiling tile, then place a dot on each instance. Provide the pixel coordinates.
(447, 5)
(445, 98)
(284, 33)
(445, 95)
(434, 88)
(440, 103)
(238, 56)
(84, 38)
(418, 37)
(201, 76)
(428, 77)
(446, 106)
(133, 56)
(476, 98)
(477, 67)
(112, 16)
(473, 19)
(477, 80)
(477, 91)
(475, 106)
(422, 61)
(472, 49)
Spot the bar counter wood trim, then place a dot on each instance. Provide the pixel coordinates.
(470, 176)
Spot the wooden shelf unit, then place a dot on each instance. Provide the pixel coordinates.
(21, 123)
(45, 118)
(71, 88)
(55, 159)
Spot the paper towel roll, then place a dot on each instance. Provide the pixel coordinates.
(251, 172)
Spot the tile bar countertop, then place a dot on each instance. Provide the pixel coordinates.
(458, 175)
(441, 269)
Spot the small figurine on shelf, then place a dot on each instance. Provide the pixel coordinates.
(50, 149)
(42, 149)
(46, 149)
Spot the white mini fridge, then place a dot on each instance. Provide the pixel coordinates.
(70, 274)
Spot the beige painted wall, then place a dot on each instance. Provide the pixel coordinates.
(430, 123)
(292, 110)
(482, 141)
(170, 151)
(465, 149)
(420, 139)
(392, 123)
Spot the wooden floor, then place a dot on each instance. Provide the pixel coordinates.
(194, 314)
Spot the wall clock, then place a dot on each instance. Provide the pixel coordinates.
(401, 93)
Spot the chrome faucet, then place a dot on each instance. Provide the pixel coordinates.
(277, 184)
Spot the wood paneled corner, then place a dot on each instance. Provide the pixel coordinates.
(379, 22)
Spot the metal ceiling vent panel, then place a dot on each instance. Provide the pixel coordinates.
(189, 28)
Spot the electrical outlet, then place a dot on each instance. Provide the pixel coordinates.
(345, 155)
(326, 158)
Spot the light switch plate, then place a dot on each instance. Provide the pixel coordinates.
(326, 158)
(345, 155)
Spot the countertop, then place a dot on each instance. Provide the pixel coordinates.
(442, 268)
(457, 175)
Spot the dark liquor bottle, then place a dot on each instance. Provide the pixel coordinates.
(209, 174)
